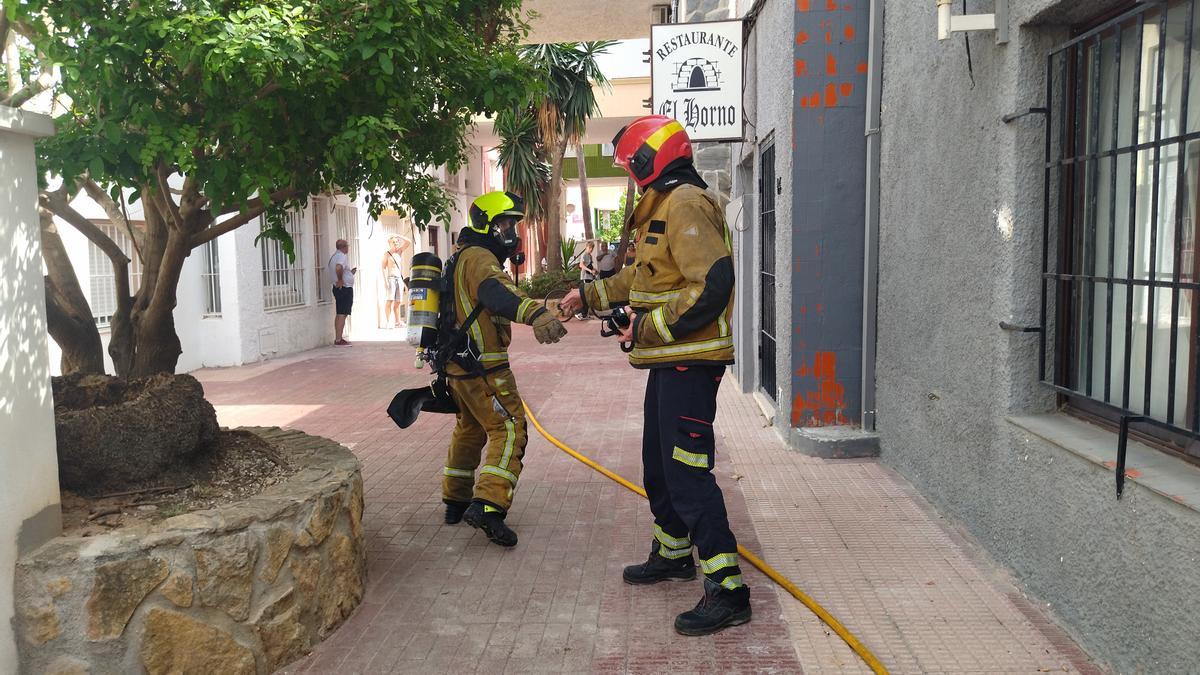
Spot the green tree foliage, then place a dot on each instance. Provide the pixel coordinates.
(256, 104)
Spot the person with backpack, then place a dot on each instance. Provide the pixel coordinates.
(484, 301)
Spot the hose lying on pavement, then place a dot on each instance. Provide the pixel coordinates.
(766, 569)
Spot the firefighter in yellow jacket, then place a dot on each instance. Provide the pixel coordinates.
(490, 415)
(680, 293)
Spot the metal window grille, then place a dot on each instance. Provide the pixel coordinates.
(346, 218)
(102, 295)
(283, 279)
(1120, 284)
(433, 231)
(320, 219)
(210, 278)
(766, 304)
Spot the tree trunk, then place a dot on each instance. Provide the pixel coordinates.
(157, 343)
(68, 315)
(585, 202)
(625, 229)
(554, 209)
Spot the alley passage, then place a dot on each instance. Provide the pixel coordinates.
(441, 599)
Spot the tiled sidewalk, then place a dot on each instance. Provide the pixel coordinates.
(441, 599)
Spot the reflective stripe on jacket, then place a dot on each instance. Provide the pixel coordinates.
(478, 278)
(681, 283)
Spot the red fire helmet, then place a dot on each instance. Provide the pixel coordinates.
(646, 146)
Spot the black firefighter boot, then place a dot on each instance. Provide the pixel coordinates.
(720, 608)
(658, 568)
(455, 511)
(491, 520)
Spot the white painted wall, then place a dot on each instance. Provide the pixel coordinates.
(246, 331)
(29, 498)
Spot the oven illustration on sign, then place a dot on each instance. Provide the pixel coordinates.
(697, 74)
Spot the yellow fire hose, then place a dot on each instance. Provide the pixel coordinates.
(766, 569)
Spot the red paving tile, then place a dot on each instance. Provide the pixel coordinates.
(442, 599)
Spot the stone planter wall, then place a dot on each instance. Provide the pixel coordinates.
(245, 588)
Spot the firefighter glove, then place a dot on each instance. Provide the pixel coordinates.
(547, 329)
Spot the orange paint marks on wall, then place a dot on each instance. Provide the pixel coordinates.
(801, 37)
(828, 37)
(831, 5)
(830, 65)
(823, 406)
(846, 89)
(862, 67)
(849, 33)
(814, 101)
(801, 68)
(801, 5)
(831, 97)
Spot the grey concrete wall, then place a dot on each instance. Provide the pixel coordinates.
(827, 223)
(960, 245)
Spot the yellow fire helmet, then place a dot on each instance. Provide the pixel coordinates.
(492, 205)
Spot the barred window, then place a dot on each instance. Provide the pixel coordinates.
(102, 289)
(320, 218)
(210, 278)
(346, 218)
(283, 280)
(1120, 287)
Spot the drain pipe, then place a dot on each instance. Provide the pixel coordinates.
(943, 18)
(871, 247)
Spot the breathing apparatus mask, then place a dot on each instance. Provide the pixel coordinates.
(504, 230)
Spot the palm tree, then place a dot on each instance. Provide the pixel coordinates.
(526, 173)
(580, 106)
(568, 70)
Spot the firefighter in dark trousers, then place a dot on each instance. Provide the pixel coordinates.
(490, 411)
(680, 291)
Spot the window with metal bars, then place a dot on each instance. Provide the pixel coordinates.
(102, 289)
(1120, 287)
(345, 216)
(283, 279)
(767, 329)
(210, 278)
(319, 207)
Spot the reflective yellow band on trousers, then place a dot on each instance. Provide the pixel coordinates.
(503, 473)
(732, 581)
(669, 541)
(511, 436)
(674, 554)
(719, 561)
(458, 473)
(683, 349)
(690, 458)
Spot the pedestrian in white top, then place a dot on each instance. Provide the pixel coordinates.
(394, 280)
(343, 289)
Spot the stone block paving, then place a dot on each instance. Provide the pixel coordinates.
(442, 599)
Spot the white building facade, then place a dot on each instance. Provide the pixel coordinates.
(240, 301)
